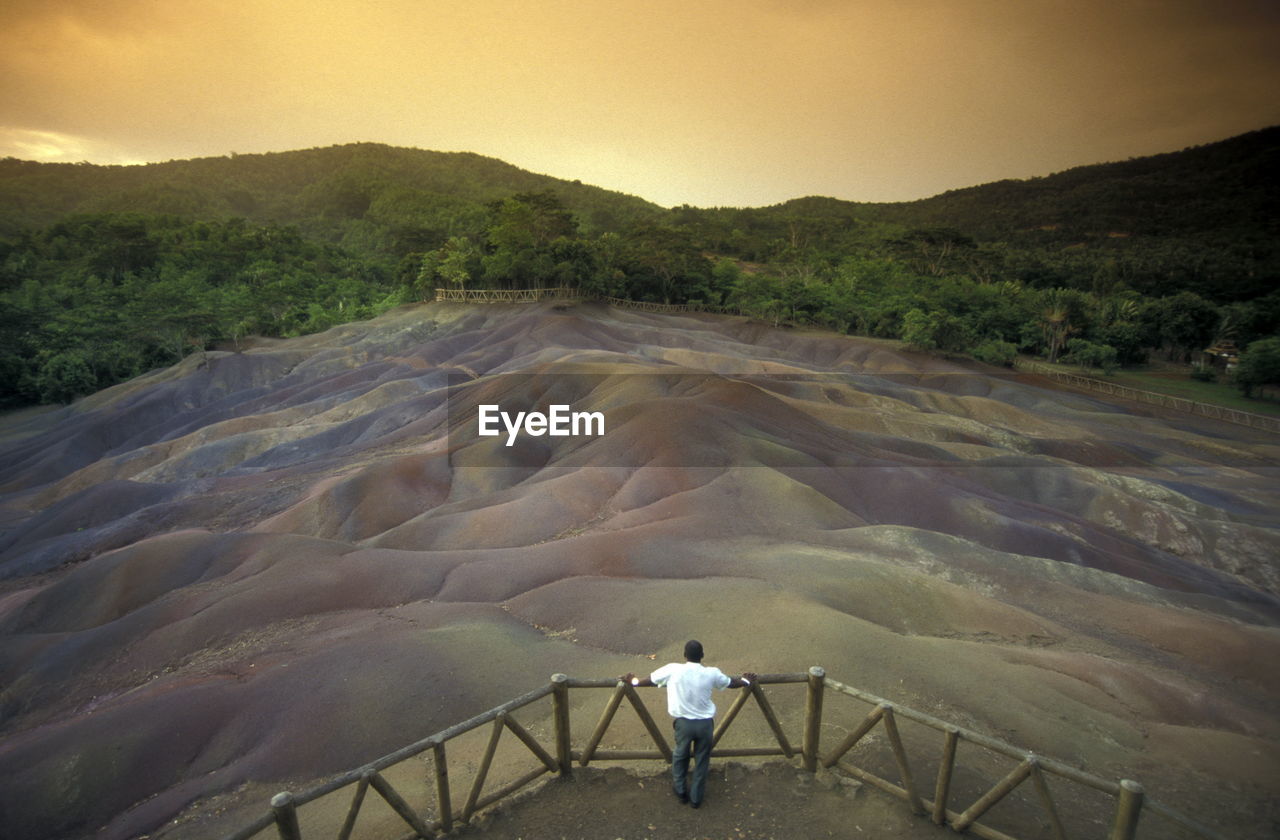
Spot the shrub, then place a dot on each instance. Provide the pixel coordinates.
(996, 352)
(65, 376)
(1088, 354)
(1259, 365)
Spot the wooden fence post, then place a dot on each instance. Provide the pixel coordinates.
(605, 719)
(444, 802)
(362, 788)
(286, 816)
(560, 710)
(813, 718)
(943, 789)
(1128, 809)
(900, 755)
(1002, 789)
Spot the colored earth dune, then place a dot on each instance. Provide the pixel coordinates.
(279, 563)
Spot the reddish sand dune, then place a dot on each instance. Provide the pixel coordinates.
(205, 567)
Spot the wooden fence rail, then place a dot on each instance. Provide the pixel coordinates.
(1102, 386)
(559, 756)
(566, 293)
(505, 295)
(1216, 412)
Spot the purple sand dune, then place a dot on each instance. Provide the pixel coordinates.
(206, 566)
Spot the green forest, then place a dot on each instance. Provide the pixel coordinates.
(109, 271)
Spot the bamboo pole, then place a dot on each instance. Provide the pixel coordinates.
(1002, 789)
(872, 718)
(1046, 799)
(499, 723)
(560, 710)
(605, 719)
(942, 792)
(286, 811)
(647, 720)
(900, 755)
(1128, 809)
(444, 803)
(356, 801)
(813, 718)
(397, 803)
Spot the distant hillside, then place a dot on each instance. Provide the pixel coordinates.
(1230, 187)
(1205, 219)
(109, 271)
(374, 197)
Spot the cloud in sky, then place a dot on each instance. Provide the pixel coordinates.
(748, 102)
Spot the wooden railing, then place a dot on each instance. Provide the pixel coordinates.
(650, 306)
(505, 295)
(1102, 386)
(565, 293)
(558, 757)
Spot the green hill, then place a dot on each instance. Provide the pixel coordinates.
(108, 271)
(1205, 219)
(371, 196)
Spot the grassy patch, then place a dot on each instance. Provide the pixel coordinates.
(1177, 382)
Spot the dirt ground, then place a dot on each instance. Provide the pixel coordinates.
(775, 801)
(240, 577)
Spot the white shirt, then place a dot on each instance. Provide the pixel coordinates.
(689, 686)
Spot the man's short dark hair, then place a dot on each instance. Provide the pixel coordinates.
(693, 650)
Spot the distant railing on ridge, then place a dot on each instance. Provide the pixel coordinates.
(1112, 389)
(1216, 412)
(505, 295)
(560, 754)
(566, 293)
(649, 306)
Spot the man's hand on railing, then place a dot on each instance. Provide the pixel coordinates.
(632, 679)
(747, 678)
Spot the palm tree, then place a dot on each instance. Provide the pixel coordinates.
(1055, 320)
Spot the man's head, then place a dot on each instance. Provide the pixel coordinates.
(693, 650)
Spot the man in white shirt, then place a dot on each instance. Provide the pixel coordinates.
(689, 686)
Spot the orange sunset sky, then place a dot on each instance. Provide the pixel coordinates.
(742, 103)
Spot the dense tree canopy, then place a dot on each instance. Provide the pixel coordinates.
(108, 271)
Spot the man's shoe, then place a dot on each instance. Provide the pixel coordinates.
(695, 804)
(683, 797)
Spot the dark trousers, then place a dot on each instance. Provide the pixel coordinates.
(692, 736)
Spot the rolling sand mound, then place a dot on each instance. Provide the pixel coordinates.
(205, 567)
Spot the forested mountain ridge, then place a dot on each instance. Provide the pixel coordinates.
(1204, 219)
(108, 271)
(317, 190)
(1230, 185)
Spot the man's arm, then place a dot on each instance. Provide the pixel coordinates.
(747, 678)
(637, 681)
